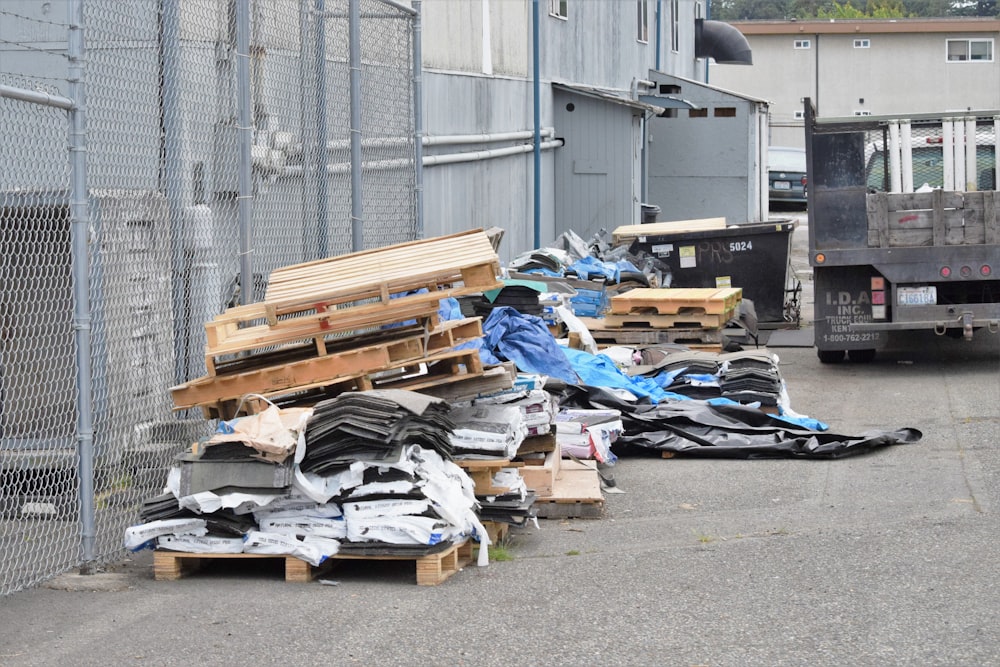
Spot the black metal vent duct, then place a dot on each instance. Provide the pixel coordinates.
(722, 42)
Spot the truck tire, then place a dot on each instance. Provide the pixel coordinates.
(830, 356)
(861, 356)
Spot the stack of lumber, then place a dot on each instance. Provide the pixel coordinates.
(648, 316)
(350, 323)
(627, 233)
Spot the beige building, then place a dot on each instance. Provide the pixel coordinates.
(865, 67)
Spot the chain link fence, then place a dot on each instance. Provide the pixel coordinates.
(224, 139)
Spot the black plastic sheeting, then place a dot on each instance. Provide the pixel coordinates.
(697, 428)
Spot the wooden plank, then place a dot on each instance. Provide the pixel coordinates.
(576, 493)
(938, 236)
(492, 380)
(910, 201)
(483, 471)
(636, 336)
(628, 233)
(991, 227)
(437, 368)
(215, 388)
(878, 217)
(656, 321)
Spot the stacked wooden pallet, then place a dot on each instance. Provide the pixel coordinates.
(648, 316)
(359, 321)
(431, 568)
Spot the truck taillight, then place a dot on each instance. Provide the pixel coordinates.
(945, 271)
(805, 181)
(965, 271)
(985, 270)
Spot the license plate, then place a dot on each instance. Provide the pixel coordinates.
(782, 185)
(917, 296)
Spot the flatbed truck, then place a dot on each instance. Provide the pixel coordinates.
(903, 227)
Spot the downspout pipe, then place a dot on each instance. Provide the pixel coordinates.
(418, 119)
(172, 183)
(79, 211)
(245, 139)
(537, 110)
(659, 15)
(357, 205)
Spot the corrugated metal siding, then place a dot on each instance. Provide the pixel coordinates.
(700, 167)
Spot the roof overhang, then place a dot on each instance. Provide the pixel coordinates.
(612, 97)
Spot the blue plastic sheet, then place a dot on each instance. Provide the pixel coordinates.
(450, 309)
(598, 370)
(509, 334)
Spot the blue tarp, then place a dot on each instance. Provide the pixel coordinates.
(598, 370)
(526, 340)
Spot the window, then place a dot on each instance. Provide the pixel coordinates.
(642, 9)
(725, 112)
(799, 115)
(963, 50)
(862, 43)
(803, 44)
(559, 8)
(675, 26)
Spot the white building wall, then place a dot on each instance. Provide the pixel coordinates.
(902, 73)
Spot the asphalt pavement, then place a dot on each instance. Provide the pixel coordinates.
(888, 558)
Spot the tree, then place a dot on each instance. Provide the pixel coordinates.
(750, 10)
(873, 9)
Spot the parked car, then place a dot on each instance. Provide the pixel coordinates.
(786, 175)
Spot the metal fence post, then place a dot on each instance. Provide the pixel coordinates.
(79, 239)
(322, 178)
(245, 138)
(418, 117)
(357, 205)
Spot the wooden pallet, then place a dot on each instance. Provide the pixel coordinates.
(677, 301)
(309, 302)
(483, 471)
(651, 336)
(225, 339)
(656, 321)
(276, 372)
(576, 493)
(466, 257)
(497, 530)
(431, 569)
(436, 369)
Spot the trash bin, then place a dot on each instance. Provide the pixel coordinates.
(753, 257)
(649, 213)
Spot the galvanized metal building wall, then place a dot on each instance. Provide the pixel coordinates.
(478, 80)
